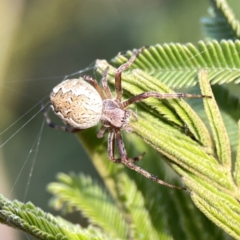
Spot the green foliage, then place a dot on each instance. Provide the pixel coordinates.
(177, 65)
(205, 171)
(34, 221)
(82, 194)
(102, 210)
(222, 23)
(196, 138)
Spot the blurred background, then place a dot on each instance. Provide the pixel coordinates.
(43, 41)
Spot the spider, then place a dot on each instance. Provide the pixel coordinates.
(81, 105)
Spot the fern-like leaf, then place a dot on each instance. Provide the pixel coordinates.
(81, 193)
(41, 225)
(135, 205)
(177, 65)
(203, 169)
(222, 23)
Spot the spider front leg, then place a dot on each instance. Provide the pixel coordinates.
(105, 93)
(106, 88)
(146, 95)
(127, 162)
(118, 74)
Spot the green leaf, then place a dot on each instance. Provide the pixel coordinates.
(194, 161)
(216, 209)
(101, 211)
(216, 123)
(81, 193)
(34, 221)
(135, 205)
(177, 65)
(229, 105)
(222, 23)
(236, 173)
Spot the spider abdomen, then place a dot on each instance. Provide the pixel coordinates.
(77, 103)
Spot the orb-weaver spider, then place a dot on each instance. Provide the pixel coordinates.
(82, 105)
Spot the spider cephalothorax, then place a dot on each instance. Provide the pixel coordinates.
(82, 105)
(114, 115)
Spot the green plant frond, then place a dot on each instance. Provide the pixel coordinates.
(236, 173)
(177, 65)
(163, 205)
(232, 129)
(136, 208)
(189, 159)
(229, 105)
(214, 215)
(192, 222)
(222, 23)
(188, 117)
(83, 194)
(209, 192)
(41, 225)
(219, 207)
(228, 102)
(216, 123)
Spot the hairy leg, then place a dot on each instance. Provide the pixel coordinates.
(146, 95)
(118, 74)
(126, 161)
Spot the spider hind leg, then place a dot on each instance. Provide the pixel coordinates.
(51, 124)
(129, 162)
(149, 175)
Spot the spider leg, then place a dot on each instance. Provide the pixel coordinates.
(111, 144)
(146, 95)
(118, 74)
(55, 126)
(126, 161)
(95, 85)
(102, 131)
(105, 84)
